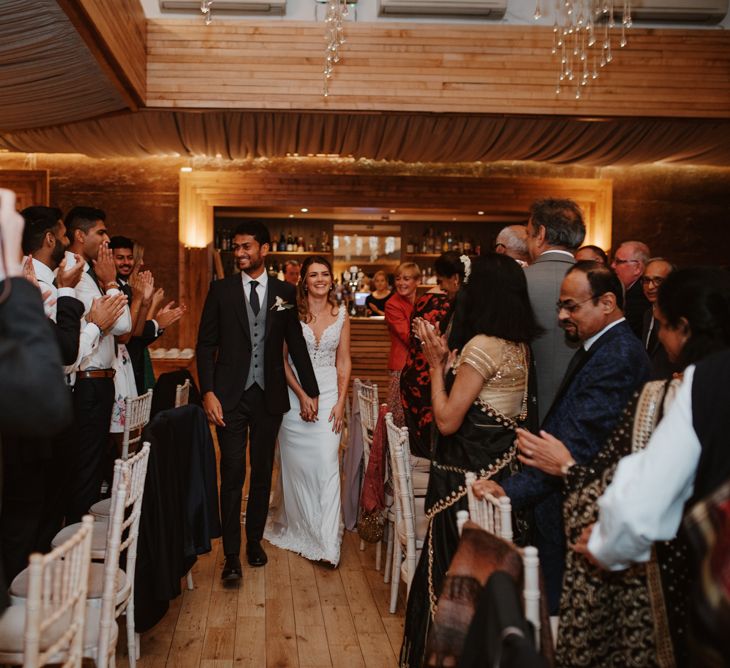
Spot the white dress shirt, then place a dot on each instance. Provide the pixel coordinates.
(592, 339)
(645, 501)
(102, 357)
(263, 280)
(90, 334)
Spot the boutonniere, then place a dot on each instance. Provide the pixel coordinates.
(281, 305)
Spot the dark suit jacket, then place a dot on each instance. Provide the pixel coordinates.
(635, 307)
(224, 345)
(585, 411)
(661, 367)
(551, 352)
(69, 312)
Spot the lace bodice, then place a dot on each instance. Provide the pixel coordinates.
(323, 352)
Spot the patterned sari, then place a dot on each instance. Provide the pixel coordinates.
(484, 444)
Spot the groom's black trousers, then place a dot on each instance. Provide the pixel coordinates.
(249, 418)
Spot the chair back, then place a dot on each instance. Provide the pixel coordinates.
(57, 586)
(405, 512)
(495, 516)
(136, 416)
(182, 394)
(367, 397)
(122, 536)
(491, 513)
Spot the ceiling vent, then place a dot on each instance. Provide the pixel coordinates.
(463, 9)
(677, 11)
(226, 7)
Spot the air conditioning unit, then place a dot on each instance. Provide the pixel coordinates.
(463, 9)
(676, 11)
(229, 7)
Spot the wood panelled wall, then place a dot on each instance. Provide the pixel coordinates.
(436, 68)
(115, 33)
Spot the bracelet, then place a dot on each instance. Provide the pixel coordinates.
(112, 284)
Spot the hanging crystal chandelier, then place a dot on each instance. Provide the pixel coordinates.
(334, 37)
(582, 34)
(205, 10)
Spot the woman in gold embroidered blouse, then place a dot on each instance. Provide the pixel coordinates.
(477, 404)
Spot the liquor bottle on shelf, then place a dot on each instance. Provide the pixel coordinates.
(300, 244)
(312, 243)
(281, 246)
(290, 242)
(409, 246)
(431, 241)
(424, 242)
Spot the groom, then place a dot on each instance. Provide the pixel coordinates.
(246, 320)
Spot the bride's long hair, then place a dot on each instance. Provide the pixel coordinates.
(302, 299)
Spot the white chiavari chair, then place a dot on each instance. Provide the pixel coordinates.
(367, 396)
(136, 416)
(49, 625)
(408, 537)
(495, 516)
(129, 476)
(182, 394)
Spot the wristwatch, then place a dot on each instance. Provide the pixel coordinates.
(112, 284)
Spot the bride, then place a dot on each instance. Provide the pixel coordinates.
(308, 518)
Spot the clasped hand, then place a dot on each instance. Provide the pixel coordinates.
(308, 408)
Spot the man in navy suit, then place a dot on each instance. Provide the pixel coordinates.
(609, 365)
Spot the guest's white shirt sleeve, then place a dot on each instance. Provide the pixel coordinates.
(645, 500)
(88, 343)
(87, 291)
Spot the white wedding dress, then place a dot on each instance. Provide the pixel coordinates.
(307, 518)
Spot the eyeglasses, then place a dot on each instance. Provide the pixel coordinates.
(653, 280)
(618, 260)
(496, 246)
(570, 307)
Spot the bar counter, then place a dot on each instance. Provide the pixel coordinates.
(369, 349)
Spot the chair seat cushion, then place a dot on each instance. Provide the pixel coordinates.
(12, 630)
(101, 508)
(98, 537)
(421, 521)
(19, 586)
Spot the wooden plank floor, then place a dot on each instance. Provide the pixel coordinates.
(289, 613)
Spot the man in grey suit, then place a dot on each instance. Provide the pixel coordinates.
(555, 229)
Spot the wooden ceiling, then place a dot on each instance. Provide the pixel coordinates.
(493, 84)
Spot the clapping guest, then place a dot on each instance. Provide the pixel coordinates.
(149, 325)
(94, 387)
(476, 407)
(623, 618)
(415, 382)
(398, 311)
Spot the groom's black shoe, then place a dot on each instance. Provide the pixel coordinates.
(231, 569)
(255, 554)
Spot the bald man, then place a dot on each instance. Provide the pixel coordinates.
(512, 241)
(629, 262)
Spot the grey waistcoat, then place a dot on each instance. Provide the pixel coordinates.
(257, 328)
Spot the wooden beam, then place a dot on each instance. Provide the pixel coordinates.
(115, 33)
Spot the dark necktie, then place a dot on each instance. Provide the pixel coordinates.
(254, 298)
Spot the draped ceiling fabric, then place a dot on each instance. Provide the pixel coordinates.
(47, 74)
(380, 136)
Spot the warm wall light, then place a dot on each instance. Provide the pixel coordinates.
(186, 169)
(304, 210)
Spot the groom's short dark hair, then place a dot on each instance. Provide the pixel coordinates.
(257, 230)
